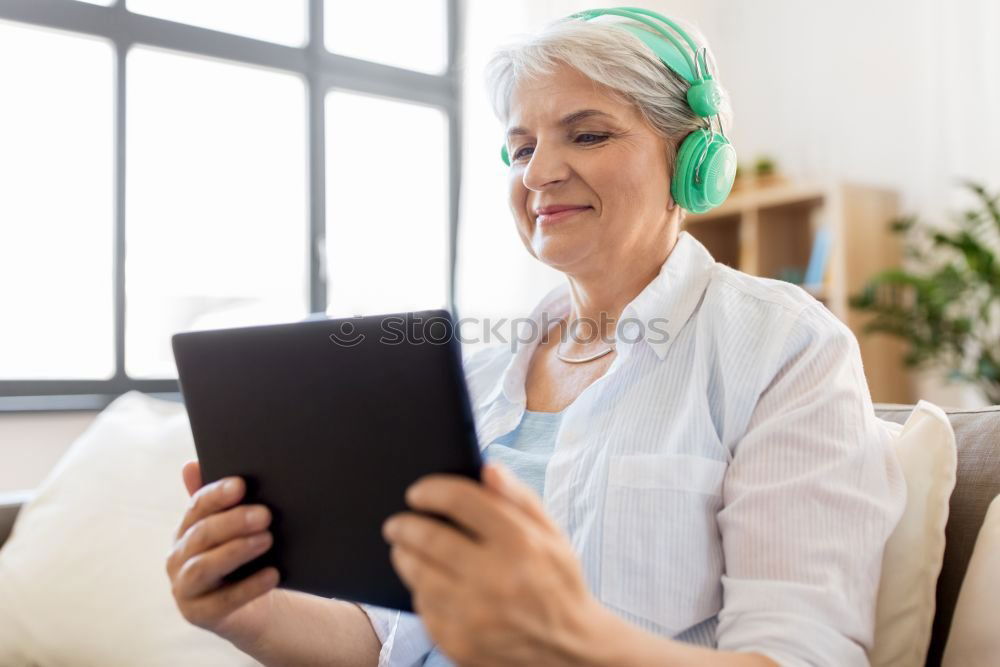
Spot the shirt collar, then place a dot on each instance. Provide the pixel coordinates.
(656, 315)
(665, 305)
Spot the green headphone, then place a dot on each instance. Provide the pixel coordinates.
(706, 162)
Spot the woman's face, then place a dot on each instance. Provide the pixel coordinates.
(613, 163)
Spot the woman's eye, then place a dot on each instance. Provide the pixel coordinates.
(594, 138)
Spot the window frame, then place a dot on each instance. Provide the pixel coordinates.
(321, 70)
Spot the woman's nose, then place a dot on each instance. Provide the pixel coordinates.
(545, 166)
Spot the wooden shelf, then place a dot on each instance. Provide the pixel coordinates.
(751, 198)
(765, 231)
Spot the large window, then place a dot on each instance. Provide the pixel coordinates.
(169, 165)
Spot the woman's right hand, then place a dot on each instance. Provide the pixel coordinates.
(215, 537)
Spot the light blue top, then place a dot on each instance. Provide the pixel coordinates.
(525, 451)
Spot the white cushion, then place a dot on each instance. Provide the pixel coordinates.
(925, 448)
(974, 640)
(82, 577)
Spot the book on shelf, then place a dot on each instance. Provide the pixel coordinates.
(812, 281)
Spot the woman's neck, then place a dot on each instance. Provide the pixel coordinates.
(598, 299)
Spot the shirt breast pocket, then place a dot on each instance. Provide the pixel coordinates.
(661, 555)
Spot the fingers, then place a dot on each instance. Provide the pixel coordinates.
(435, 541)
(473, 507)
(204, 572)
(191, 473)
(418, 574)
(213, 540)
(206, 610)
(220, 528)
(210, 499)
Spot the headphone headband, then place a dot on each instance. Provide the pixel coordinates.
(638, 14)
(704, 96)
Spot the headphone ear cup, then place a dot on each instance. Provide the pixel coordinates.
(718, 171)
(682, 187)
(504, 156)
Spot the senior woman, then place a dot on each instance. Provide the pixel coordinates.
(700, 481)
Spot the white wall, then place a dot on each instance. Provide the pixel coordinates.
(899, 94)
(31, 443)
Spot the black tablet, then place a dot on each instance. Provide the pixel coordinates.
(329, 421)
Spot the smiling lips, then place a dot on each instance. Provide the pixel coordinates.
(550, 214)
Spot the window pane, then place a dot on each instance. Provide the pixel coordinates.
(387, 205)
(56, 206)
(385, 32)
(217, 226)
(281, 21)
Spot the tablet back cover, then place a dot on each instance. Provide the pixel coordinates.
(329, 421)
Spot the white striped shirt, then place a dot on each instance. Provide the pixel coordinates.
(727, 483)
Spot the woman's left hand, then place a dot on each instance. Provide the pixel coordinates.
(503, 588)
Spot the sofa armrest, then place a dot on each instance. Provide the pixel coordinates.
(10, 505)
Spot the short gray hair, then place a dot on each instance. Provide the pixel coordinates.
(613, 58)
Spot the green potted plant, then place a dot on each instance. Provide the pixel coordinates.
(948, 309)
(765, 170)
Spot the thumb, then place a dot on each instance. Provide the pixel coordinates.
(191, 472)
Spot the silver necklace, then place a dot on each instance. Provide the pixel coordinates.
(580, 360)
